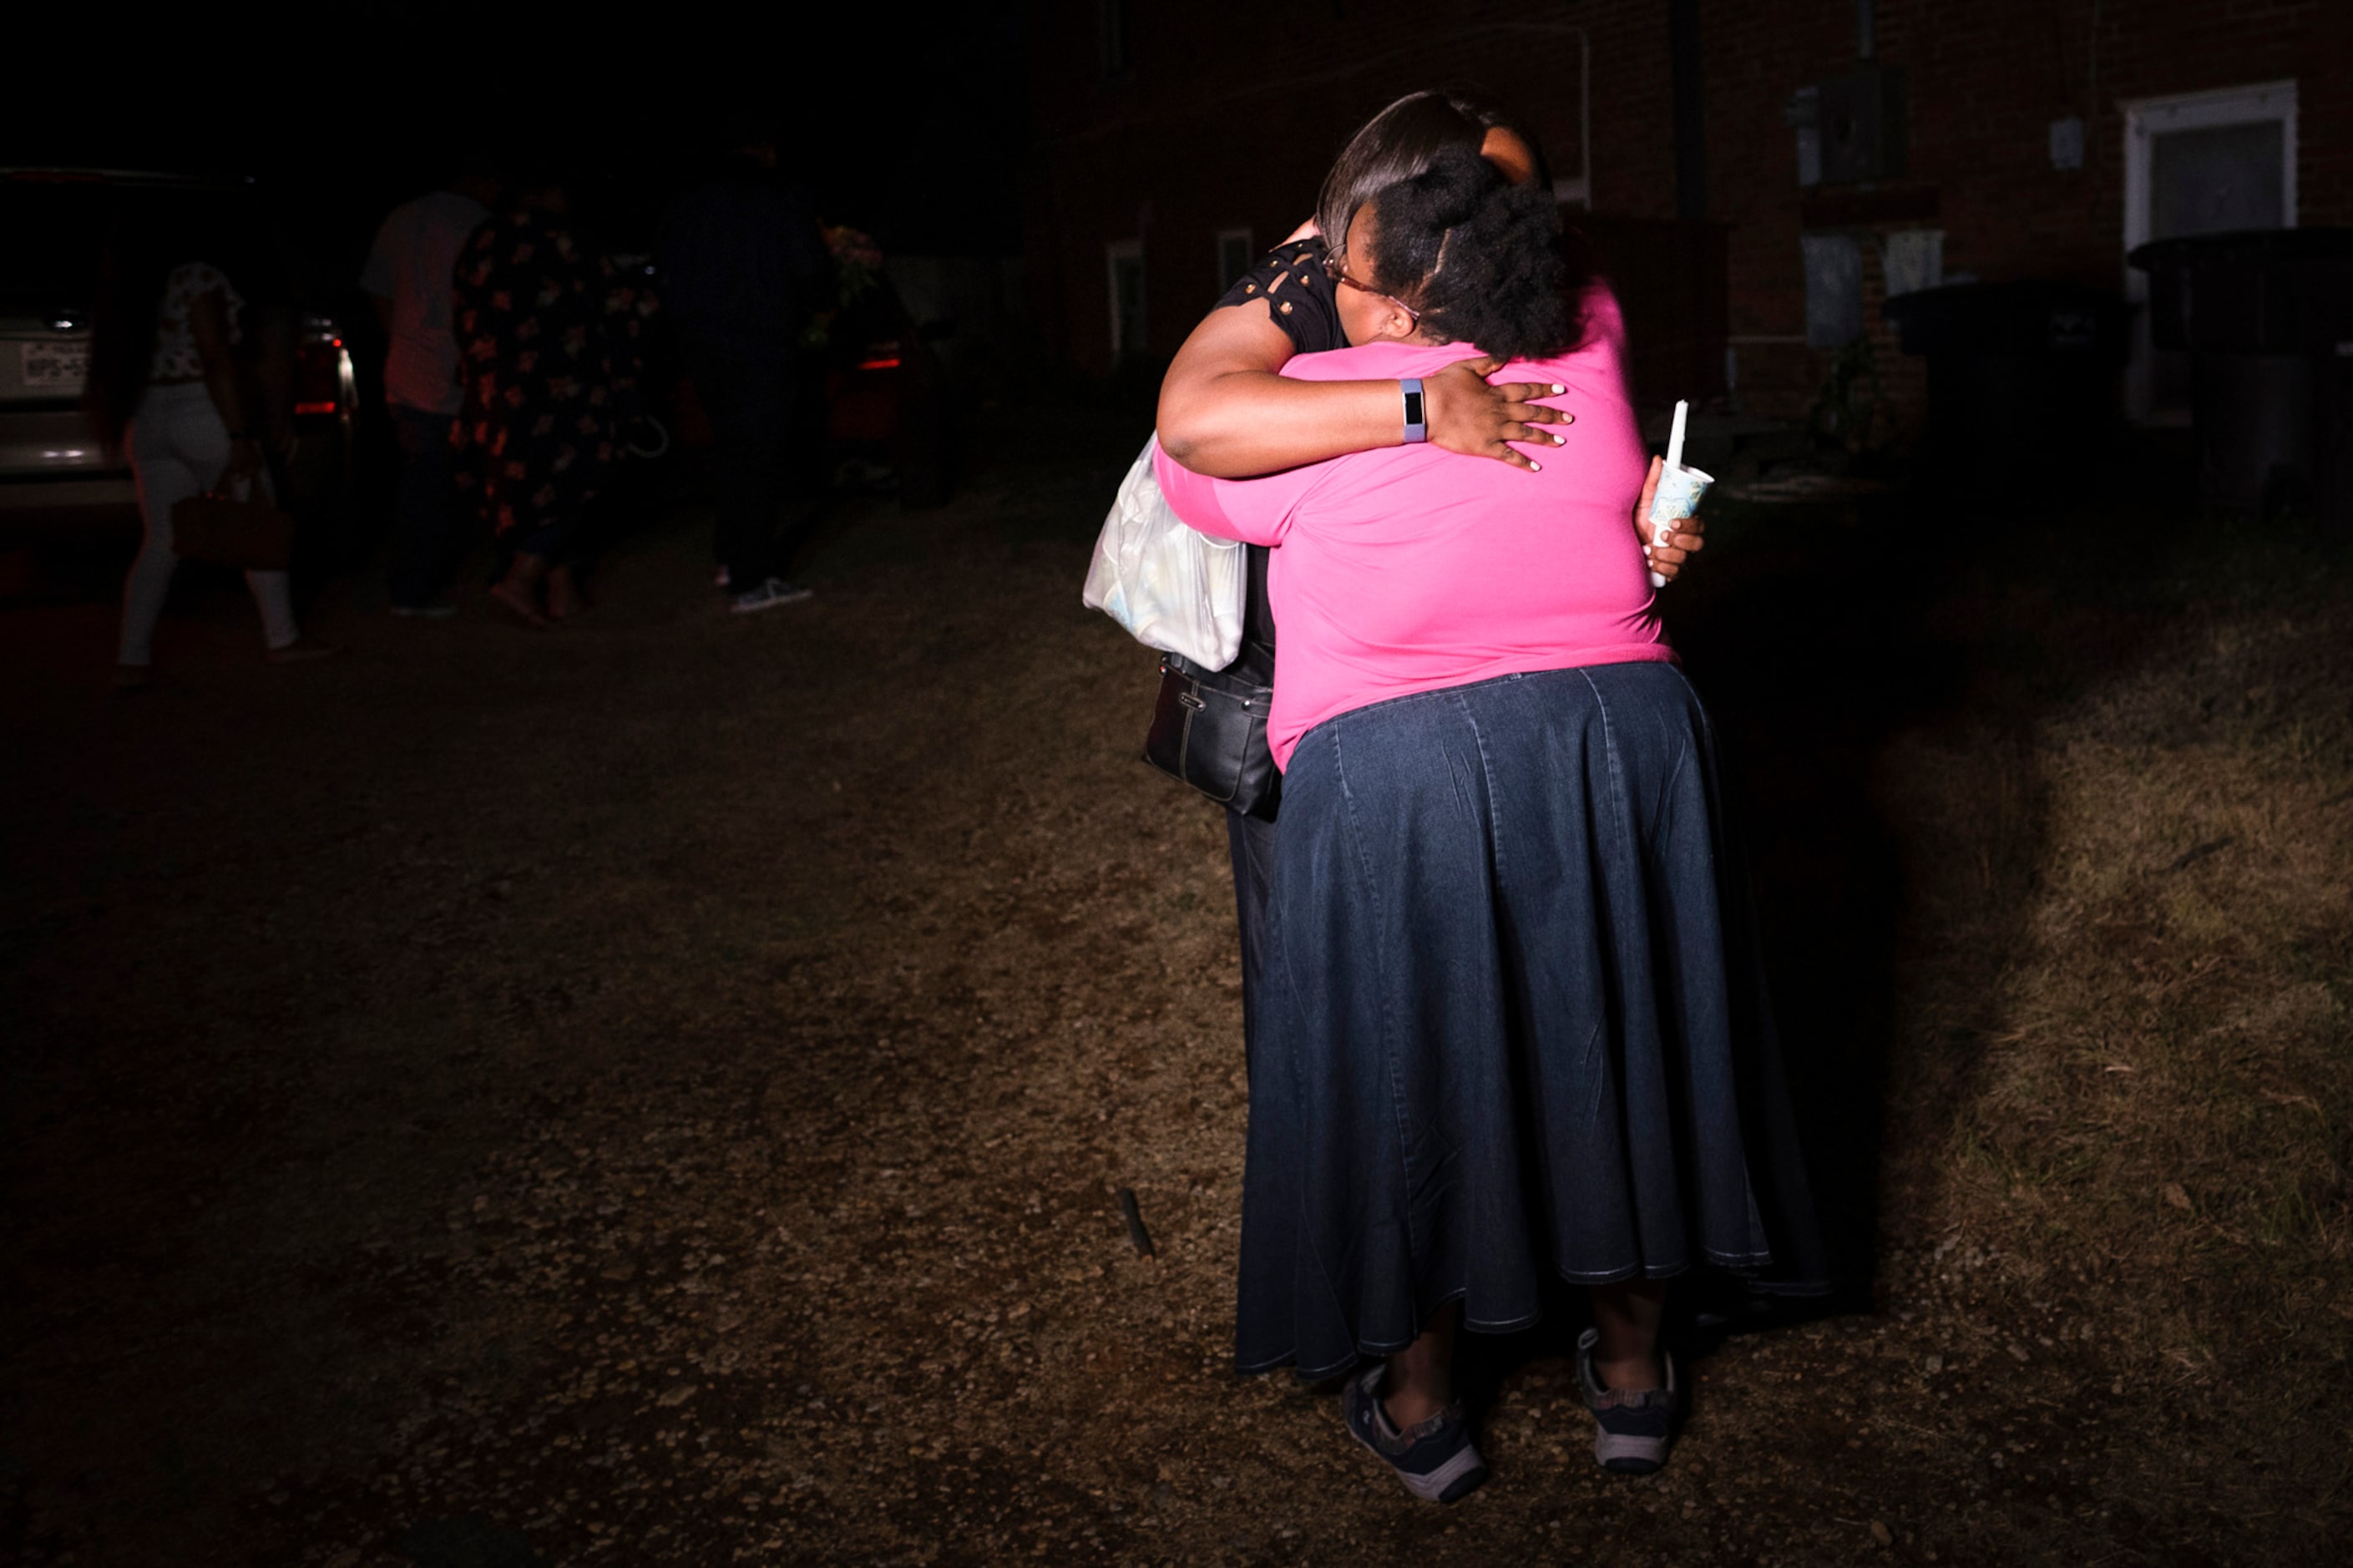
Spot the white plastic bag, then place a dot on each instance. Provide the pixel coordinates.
(1172, 589)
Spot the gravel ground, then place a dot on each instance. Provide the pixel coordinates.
(656, 1093)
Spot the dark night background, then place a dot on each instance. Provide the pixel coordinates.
(910, 126)
(657, 1092)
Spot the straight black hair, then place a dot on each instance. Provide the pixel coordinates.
(1399, 142)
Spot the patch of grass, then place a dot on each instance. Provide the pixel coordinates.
(2150, 1070)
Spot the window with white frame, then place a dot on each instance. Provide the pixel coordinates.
(2198, 162)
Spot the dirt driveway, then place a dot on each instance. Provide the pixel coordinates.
(654, 1093)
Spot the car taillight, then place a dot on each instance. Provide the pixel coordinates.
(322, 374)
(881, 356)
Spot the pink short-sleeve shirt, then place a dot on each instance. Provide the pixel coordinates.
(1411, 568)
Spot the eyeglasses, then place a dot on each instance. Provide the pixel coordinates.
(1336, 268)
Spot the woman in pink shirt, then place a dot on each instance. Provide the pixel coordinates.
(1514, 1022)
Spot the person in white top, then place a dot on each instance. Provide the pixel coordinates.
(407, 276)
(166, 387)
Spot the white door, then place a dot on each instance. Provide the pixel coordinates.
(2198, 162)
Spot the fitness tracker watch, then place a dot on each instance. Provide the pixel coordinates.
(1417, 427)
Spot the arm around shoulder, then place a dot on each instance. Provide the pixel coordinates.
(1227, 411)
(1197, 417)
(1253, 510)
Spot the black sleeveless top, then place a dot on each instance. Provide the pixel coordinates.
(1305, 304)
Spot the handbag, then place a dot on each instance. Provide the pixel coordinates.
(1172, 588)
(1209, 730)
(227, 531)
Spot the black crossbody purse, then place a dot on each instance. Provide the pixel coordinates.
(1208, 726)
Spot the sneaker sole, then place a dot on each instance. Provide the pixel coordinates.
(1631, 1456)
(1456, 1479)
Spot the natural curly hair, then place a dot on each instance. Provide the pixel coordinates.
(1479, 256)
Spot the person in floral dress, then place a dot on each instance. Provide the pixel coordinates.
(548, 342)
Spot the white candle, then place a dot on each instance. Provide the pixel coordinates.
(1664, 530)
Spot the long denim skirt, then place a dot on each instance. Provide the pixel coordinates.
(1515, 1024)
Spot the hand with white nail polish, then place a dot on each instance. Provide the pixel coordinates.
(1467, 413)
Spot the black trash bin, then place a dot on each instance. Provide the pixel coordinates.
(2267, 318)
(2022, 382)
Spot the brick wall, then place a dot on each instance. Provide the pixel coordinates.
(1228, 118)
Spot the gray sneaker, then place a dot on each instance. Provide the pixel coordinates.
(1434, 1459)
(767, 597)
(1637, 1426)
